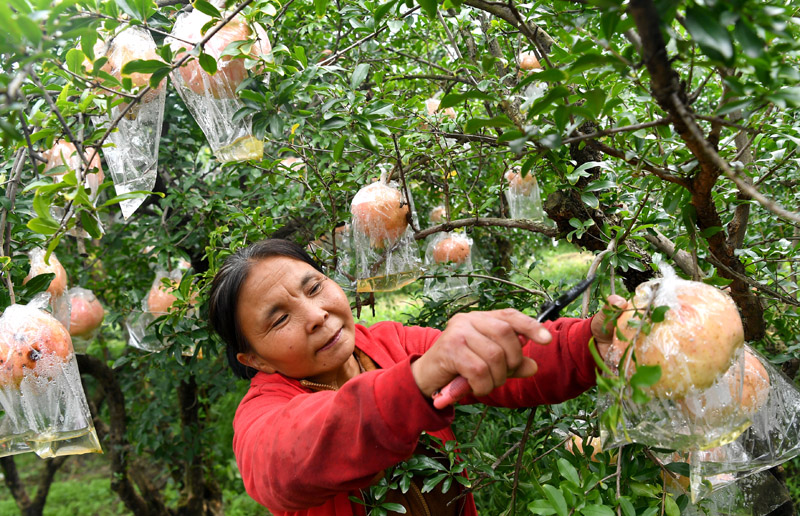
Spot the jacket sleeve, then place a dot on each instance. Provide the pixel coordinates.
(566, 369)
(295, 450)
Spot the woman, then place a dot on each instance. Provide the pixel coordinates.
(333, 404)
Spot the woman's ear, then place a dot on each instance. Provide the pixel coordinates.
(254, 361)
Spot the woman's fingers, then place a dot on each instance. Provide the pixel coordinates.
(525, 325)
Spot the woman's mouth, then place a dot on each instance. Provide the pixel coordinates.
(332, 342)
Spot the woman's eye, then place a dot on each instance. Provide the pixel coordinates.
(316, 288)
(280, 320)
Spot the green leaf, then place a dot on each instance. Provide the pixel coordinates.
(129, 195)
(453, 99)
(30, 29)
(751, 43)
(43, 226)
(338, 148)
(300, 55)
(137, 9)
(382, 10)
(320, 6)
(627, 506)
(659, 313)
(713, 37)
(359, 75)
(90, 224)
(430, 7)
(541, 507)
(590, 200)
(473, 125)
(208, 63)
(556, 498)
(681, 468)
(74, 60)
(597, 510)
(646, 376)
(333, 123)
(670, 507)
(396, 507)
(143, 66)
(569, 472)
(207, 8)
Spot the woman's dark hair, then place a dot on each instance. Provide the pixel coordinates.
(225, 293)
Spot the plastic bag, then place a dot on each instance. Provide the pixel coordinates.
(694, 404)
(212, 99)
(86, 317)
(437, 215)
(448, 254)
(133, 157)
(523, 195)
(59, 301)
(158, 302)
(432, 107)
(40, 388)
(772, 402)
(386, 253)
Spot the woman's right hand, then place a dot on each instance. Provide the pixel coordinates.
(483, 347)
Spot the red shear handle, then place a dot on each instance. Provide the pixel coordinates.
(458, 388)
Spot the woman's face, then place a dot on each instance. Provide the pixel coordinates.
(298, 322)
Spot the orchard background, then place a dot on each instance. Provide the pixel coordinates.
(665, 130)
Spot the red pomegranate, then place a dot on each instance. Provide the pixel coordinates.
(87, 313)
(454, 248)
(528, 61)
(437, 214)
(160, 298)
(521, 185)
(380, 213)
(432, 105)
(65, 153)
(31, 341)
(694, 345)
(38, 266)
(230, 72)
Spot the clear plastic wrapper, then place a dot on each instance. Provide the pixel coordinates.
(432, 107)
(156, 303)
(523, 195)
(448, 254)
(59, 300)
(437, 215)
(45, 409)
(64, 153)
(86, 317)
(133, 156)
(696, 404)
(212, 99)
(759, 494)
(385, 251)
(772, 403)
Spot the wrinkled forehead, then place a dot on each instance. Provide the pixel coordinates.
(269, 276)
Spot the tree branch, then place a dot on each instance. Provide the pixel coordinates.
(528, 225)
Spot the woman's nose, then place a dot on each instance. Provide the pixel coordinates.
(316, 316)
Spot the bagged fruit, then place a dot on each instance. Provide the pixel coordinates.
(133, 156)
(158, 302)
(212, 99)
(693, 405)
(772, 403)
(386, 253)
(523, 195)
(59, 301)
(448, 254)
(86, 316)
(41, 395)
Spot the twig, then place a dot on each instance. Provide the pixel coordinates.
(518, 465)
(587, 294)
(624, 129)
(526, 224)
(406, 193)
(11, 195)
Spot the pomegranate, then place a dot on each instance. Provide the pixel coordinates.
(432, 105)
(160, 298)
(380, 213)
(38, 266)
(694, 345)
(454, 248)
(86, 314)
(437, 214)
(574, 445)
(230, 72)
(528, 61)
(65, 153)
(521, 185)
(31, 340)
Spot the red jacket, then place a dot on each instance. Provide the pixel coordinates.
(304, 453)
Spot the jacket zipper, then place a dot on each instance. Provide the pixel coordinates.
(421, 498)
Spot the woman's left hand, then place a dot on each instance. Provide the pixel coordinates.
(604, 323)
